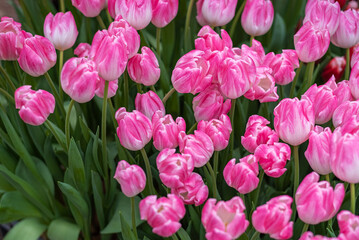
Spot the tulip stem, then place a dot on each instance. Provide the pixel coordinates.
(191, 130)
(310, 69)
(48, 124)
(236, 18)
(347, 66)
(109, 18)
(149, 172)
(61, 63)
(67, 123)
(139, 88)
(214, 184)
(296, 175)
(215, 165)
(255, 235)
(168, 95)
(125, 89)
(327, 178)
(152, 87)
(294, 83)
(188, 19)
(352, 197)
(158, 38)
(7, 78)
(6, 94)
(174, 237)
(251, 40)
(261, 175)
(305, 228)
(103, 131)
(134, 228)
(56, 94)
(62, 5)
(100, 21)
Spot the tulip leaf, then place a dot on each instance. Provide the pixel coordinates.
(97, 190)
(76, 166)
(126, 230)
(278, 33)
(244, 236)
(195, 218)
(60, 229)
(29, 229)
(183, 234)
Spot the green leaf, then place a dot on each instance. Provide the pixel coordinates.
(278, 34)
(98, 197)
(84, 129)
(126, 230)
(244, 236)
(60, 229)
(76, 166)
(59, 133)
(29, 229)
(74, 197)
(183, 234)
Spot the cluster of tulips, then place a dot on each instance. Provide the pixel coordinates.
(217, 74)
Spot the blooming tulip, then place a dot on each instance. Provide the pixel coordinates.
(344, 112)
(310, 236)
(210, 40)
(355, 56)
(242, 176)
(163, 214)
(224, 220)
(11, 39)
(83, 50)
(89, 8)
(112, 88)
(348, 225)
(35, 106)
(343, 92)
(215, 13)
(163, 12)
(316, 201)
(354, 81)
(255, 52)
(131, 178)
(347, 34)
(134, 129)
(335, 67)
(148, 103)
(273, 218)
(257, 17)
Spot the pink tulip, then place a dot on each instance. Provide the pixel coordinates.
(264, 88)
(258, 133)
(324, 102)
(149, 103)
(257, 17)
(163, 214)
(354, 81)
(316, 201)
(343, 92)
(131, 178)
(242, 176)
(273, 158)
(89, 8)
(11, 39)
(324, 14)
(215, 13)
(163, 12)
(236, 76)
(310, 236)
(210, 40)
(219, 130)
(348, 225)
(344, 112)
(165, 130)
(199, 145)
(35, 106)
(255, 52)
(318, 151)
(210, 104)
(293, 120)
(173, 167)
(61, 30)
(110, 54)
(311, 42)
(273, 218)
(112, 88)
(83, 50)
(193, 191)
(37, 56)
(224, 220)
(191, 73)
(134, 129)
(143, 68)
(355, 56)
(79, 79)
(344, 154)
(347, 34)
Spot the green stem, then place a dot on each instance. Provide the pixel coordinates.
(251, 40)
(109, 18)
(62, 5)
(310, 67)
(158, 39)
(352, 197)
(125, 89)
(52, 130)
(174, 237)
(236, 18)
(294, 83)
(305, 228)
(56, 94)
(61, 63)
(168, 95)
(153, 88)
(139, 88)
(67, 123)
(134, 228)
(188, 19)
(296, 175)
(149, 172)
(347, 66)
(215, 164)
(7, 78)
(231, 138)
(191, 130)
(214, 184)
(327, 178)
(281, 92)
(261, 175)
(17, 69)
(255, 235)
(103, 131)
(100, 21)
(6, 94)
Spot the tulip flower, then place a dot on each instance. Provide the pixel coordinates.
(342, 92)
(344, 112)
(89, 8)
(348, 225)
(347, 34)
(163, 12)
(210, 40)
(35, 106)
(354, 81)
(215, 13)
(355, 55)
(163, 214)
(131, 178)
(83, 50)
(112, 88)
(317, 201)
(149, 103)
(335, 67)
(310, 236)
(255, 52)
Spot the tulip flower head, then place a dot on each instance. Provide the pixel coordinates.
(131, 178)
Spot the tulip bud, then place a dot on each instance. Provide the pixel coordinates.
(348, 225)
(173, 167)
(191, 73)
(273, 218)
(112, 88)
(131, 178)
(143, 68)
(35, 106)
(273, 158)
(318, 150)
(316, 201)
(311, 42)
(89, 8)
(134, 129)
(257, 17)
(258, 133)
(149, 103)
(11, 39)
(199, 145)
(335, 67)
(242, 176)
(61, 30)
(163, 12)
(354, 81)
(193, 191)
(224, 220)
(79, 79)
(83, 50)
(347, 34)
(344, 112)
(293, 120)
(215, 13)
(163, 214)
(37, 56)
(209, 104)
